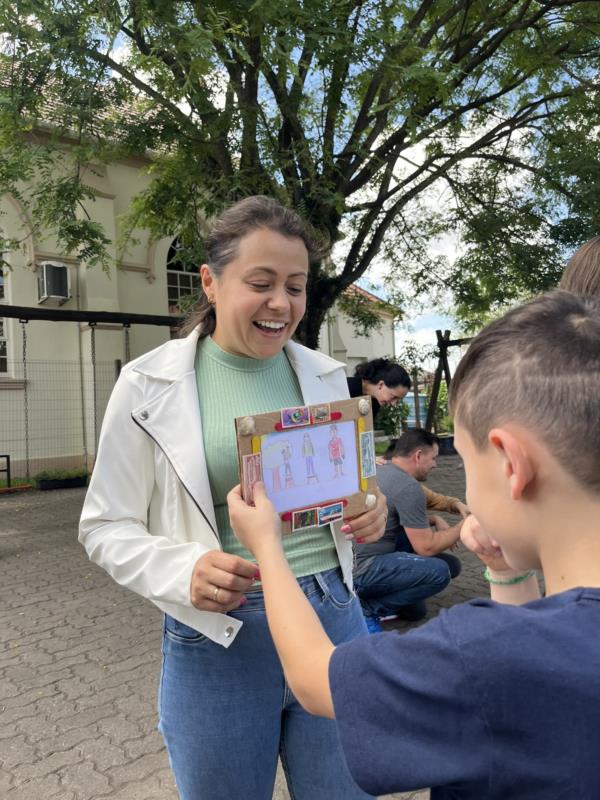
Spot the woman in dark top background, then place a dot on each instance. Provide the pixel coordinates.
(383, 380)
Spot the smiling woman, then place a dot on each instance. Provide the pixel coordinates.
(261, 296)
(156, 516)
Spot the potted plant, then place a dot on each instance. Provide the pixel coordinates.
(446, 436)
(392, 419)
(60, 478)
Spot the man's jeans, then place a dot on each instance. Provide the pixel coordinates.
(394, 580)
(227, 715)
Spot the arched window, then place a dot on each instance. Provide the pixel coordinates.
(183, 278)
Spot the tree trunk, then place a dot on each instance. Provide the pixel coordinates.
(321, 296)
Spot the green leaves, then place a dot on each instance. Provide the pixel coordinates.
(387, 122)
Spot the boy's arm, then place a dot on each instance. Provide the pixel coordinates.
(303, 646)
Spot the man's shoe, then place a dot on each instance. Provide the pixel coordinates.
(412, 612)
(373, 625)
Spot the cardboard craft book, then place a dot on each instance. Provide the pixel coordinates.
(317, 461)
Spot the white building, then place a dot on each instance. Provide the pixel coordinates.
(54, 390)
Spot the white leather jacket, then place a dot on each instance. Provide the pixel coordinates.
(148, 515)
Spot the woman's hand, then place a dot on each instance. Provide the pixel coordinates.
(255, 526)
(477, 541)
(370, 525)
(219, 581)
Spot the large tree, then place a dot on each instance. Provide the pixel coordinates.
(385, 122)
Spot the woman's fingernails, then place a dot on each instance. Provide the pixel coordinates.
(243, 601)
(360, 541)
(346, 528)
(257, 575)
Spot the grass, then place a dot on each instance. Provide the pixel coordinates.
(14, 482)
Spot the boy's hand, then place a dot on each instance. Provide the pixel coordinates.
(476, 539)
(255, 526)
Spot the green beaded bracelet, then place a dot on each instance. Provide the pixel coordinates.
(510, 581)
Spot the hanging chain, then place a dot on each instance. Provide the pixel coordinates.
(126, 329)
(92, 326)
(25, 394)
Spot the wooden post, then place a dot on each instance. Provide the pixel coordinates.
(442, 367)
(415, 377)
(443, 345)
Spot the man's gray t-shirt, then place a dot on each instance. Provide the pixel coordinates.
(406, 509)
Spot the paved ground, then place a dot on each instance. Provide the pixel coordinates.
(79, 660)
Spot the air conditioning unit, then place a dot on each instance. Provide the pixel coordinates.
(54, 283)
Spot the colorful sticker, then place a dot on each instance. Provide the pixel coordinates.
(307, 518)
(295, 417)
(367, 455)
(330, 513)
(251, 473)
(321, 413)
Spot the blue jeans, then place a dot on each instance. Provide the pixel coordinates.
(394, 580)
(227, 714)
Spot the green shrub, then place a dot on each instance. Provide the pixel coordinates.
(392, 419)
(60, 474)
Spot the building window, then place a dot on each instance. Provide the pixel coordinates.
(183, 279)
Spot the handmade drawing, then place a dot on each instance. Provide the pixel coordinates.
(272, 461)
(286, 452)
(301, 478)
(336, 451)
(308, 451)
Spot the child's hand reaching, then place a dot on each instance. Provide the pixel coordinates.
(476, 539)
(255, 526)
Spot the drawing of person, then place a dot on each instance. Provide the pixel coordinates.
(308, 451)
(287, 456)
(336, 451)
(272, 460)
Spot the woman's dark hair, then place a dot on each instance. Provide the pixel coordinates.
(382, 369)
(228, 228)
(582, 273)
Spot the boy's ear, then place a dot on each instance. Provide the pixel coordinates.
(517, 464)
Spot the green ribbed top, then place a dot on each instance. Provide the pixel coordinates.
(235, 386)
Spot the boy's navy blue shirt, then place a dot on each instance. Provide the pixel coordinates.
(485, 702)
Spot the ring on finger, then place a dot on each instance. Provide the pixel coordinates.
(215, 594)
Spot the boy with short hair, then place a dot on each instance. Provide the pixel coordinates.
(488, 700)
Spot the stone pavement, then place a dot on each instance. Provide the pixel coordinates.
(79, 660)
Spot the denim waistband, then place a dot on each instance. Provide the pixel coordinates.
(310, 584)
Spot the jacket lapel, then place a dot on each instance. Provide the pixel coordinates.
(170, 415)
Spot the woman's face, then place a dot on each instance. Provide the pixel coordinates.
(261, 295)
(386, 395)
